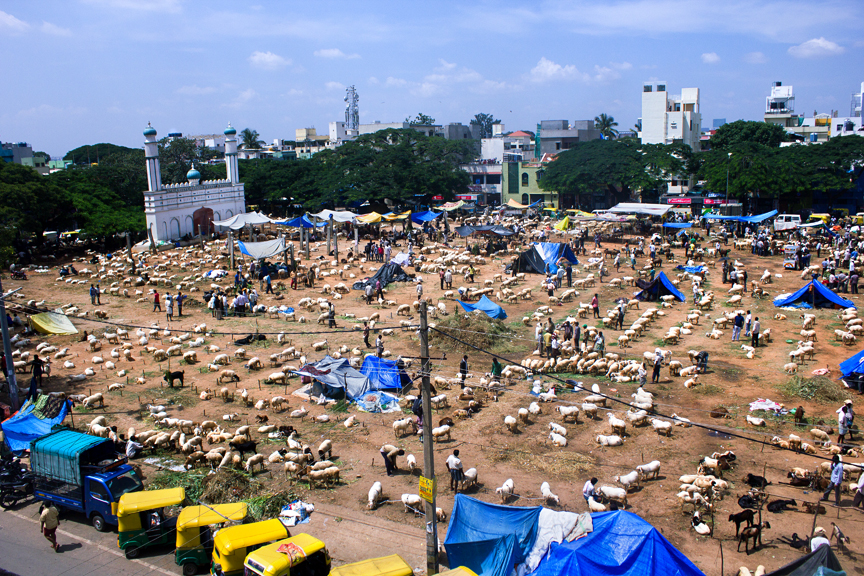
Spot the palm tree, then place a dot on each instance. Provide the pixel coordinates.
(638, 126)
(606, 125)
(250, 139)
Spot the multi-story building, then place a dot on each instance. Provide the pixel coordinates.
(15, 152)
(555, 136)
(670, 119)
(780, 110)
(520, 182)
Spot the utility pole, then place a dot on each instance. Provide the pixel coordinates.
(230, 250)
(10, 364)
(428, 454)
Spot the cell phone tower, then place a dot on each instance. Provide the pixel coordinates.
(352, 109)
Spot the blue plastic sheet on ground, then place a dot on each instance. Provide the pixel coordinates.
(487, 306)
(677, 225)
(692, 269)
(378, 403)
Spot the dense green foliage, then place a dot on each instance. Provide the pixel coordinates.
(606, 125)
(485, 121)
(420, 120)
(94, 152)
(733, 133)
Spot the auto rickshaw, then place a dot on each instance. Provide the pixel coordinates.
(301, 555)
(460, 571)
(141, 522)
(194, 540)
(232, 544)
(392, 565)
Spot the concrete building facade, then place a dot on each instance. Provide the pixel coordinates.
(558, 135)
(780, 110)
(176, 210)
(669, 119)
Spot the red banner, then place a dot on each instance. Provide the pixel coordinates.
(437, 197)
(679, 200)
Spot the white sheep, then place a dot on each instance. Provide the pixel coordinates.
(506, 490)
(557, 429)
(375, 493)
(546, 491)
(558, 440)
(652, 468)
(402, 426)
(661, 426)
(612, 440)
(411, 502)
(256, 460)
(628, 480)
(511, 424)
(441, 432)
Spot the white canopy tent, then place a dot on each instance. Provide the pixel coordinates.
(343, 216)
(242, 220)
(639, 208)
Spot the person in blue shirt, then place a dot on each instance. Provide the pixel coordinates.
(836, 480)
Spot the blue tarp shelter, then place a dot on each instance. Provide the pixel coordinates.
(677, 225)
(301, 222)
(745, 219)
(485, 305)
(259, 250)
(853, 365)
(488, 538)
(552, 252)
(813, 294)
(621, 544)
(32, 421)
(384, 374)
(421, 217)
(335, 379)
(660, 286)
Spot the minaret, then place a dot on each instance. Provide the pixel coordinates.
(151, 152)
(231, 154)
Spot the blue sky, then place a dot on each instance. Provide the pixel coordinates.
(85, 71)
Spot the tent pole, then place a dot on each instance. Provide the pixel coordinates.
(230, 249)
(308, 235)
(329, 234)
(428, 452)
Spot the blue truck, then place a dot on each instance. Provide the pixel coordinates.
(82, 473)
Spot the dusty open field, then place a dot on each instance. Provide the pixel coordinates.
(527, 457)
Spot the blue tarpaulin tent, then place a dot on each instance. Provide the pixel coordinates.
(677, 225)
(32, 422)
(383, 374)
(488, 538)
(660, 286)
(335, 379)
(813, 294)
(259, 250)
(746, 219)
(421, 217)
(853, 365)
(485, 305)
(621, 544)
(301, 222)
(552, 252)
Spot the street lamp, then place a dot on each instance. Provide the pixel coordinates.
(728, 160)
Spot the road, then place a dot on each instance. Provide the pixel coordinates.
(350, 536)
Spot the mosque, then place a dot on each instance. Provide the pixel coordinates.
(175, 210)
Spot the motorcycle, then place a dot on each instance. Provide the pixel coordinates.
(19, 275)
(12, 492)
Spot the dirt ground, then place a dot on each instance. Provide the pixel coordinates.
(528, 457)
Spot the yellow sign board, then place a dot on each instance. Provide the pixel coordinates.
(427, 489)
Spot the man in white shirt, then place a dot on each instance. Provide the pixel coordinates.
(588, 489)
(454, 465)
(819, 539)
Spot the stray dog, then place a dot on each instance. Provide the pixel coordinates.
(170, 377)
(842, 539)
(261, 418)
(799, 415)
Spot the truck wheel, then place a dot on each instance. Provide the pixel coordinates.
(98, 522)
(190, 569)
(8, 501)
(132, 552)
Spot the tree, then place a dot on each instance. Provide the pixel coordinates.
(638, 126)
(485, 121)
(730, 134)
(420, 120)
(91, 153)
(43, 154)
(606, 125)
(250, 139)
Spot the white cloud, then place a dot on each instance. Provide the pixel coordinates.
(334, 53)
(392, 82)
(755, 58)
(12, 24)
(605, 74)
(242, 98)
(373, 80)
(547, 70)
(444, 65)
(334, 86)
(195, 90)
(54, 30)
(267, 60)
(710, 58)
(816, 48)
(140, 5)
(621, 65)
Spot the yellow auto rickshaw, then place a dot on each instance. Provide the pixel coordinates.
(194, 540)
(392, 565)
(302, 555)
(141, 521)
(460, 571)
(232, 544)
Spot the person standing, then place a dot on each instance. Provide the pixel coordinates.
(619, 321)
(747, 321)
(390, 453)
(588, 489)
(180, 298)
(92, 295)
(49, 520)
(156, 304)
(98, 295)
(595, 305)
(169, 307)
(441, 278)
(754, 332)
(379, 292)
(454, 466)
(269, 283)
(463, 369)
(448, 279)
(842, 424)
(368, 293)
(569, 271)
(642, 375)
(331, 316)
(538, 334)
(836, 480)
(419, 291)
(737, 324)
(577, 333)
(379, 346)
(366, 334)
(850, 417)
(658, 362)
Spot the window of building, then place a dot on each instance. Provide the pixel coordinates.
(661, 87)
(525, 199)
(677, 107)
(493, 179)
(557, 145)
(647, 88)
(674, 125)
(524, 179)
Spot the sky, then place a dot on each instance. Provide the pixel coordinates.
(80, 72)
